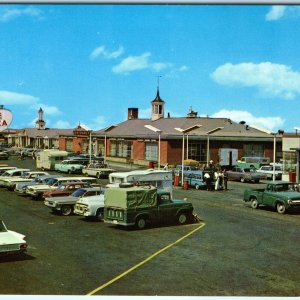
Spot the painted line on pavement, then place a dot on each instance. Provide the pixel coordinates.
(144, 261)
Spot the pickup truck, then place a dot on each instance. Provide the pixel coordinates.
(91, 206)
(244, 174)
(129, 206)
(99, 170)
(280, 195)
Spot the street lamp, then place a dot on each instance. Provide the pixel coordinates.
(207, 150)
(183, 131)
(152, 128)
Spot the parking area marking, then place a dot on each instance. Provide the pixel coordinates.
(144, 261)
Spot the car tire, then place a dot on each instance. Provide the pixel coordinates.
(182, 218)
(242, 179)
(66, 210)
(197, 187)
(280, 207)
(98, 175)
(100, 214)
(141, 223)
(254, 203)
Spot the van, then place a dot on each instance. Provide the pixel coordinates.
(253, 162)
(47, 159)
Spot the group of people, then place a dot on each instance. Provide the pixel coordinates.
(215, 179)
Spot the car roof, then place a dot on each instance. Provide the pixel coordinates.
(75, 183)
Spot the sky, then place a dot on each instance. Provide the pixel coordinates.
(87, 64)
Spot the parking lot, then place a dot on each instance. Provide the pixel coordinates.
(234, 251)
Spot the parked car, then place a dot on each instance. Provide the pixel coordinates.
(268, 171)
(4, 155)
(37, 191)
(280, 195)
(4, 168)
(65, 189)
(10, 183)
(244, 174)
(11, 173)
(195, 179)
(65, 205)
(70, 166)
(21, 186)
(11, 241)
(99, 170)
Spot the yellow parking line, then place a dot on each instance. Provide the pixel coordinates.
(144, 261)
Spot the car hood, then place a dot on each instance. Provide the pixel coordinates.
(40, 187)
(11, 237)
(290, 195)
(66, 198)
(18, 180)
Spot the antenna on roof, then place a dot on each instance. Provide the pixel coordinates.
(158, 81)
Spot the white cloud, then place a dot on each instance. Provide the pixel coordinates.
(62, 124)
(276, 12)
(98, 123)
(273, 80)
(11, 14)
(102, 52)
(141, 62)
(270, 123)
(48, 110)
(11, 98)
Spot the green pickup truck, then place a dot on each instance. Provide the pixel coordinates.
(280, 195)
(139, 206)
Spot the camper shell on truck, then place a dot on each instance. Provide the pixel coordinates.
(138, 206)
(47, 159)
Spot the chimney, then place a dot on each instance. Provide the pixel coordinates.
(133, 113)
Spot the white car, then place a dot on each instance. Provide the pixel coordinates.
(11, 173)
(11, 241)
(10, 183)
(268, 171)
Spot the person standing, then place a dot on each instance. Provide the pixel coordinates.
(225, 179)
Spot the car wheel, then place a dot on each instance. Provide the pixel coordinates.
(197, 186)
(242, 179)
(280, 208)
(70, 171)
(140, 223)
(99, 214)
(66, 210)
(256, 180)
(98, 175)
(254, 203)
(182, 218)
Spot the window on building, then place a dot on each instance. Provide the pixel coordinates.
(289, 161)
(120, 148)
(197, 151)
(151, 151)
(253, 150)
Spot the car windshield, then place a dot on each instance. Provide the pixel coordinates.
(5, 174)
(2, 227)
(286, 187)
(78, 192)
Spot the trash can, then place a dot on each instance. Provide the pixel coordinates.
(151, 165)
(186, 185)
(292, 176)
(176, 180)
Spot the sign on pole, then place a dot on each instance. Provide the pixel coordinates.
(6, 117)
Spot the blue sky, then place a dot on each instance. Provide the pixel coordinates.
(89, 63)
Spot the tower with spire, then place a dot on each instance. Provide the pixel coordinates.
(40, 123)
(157, 105)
